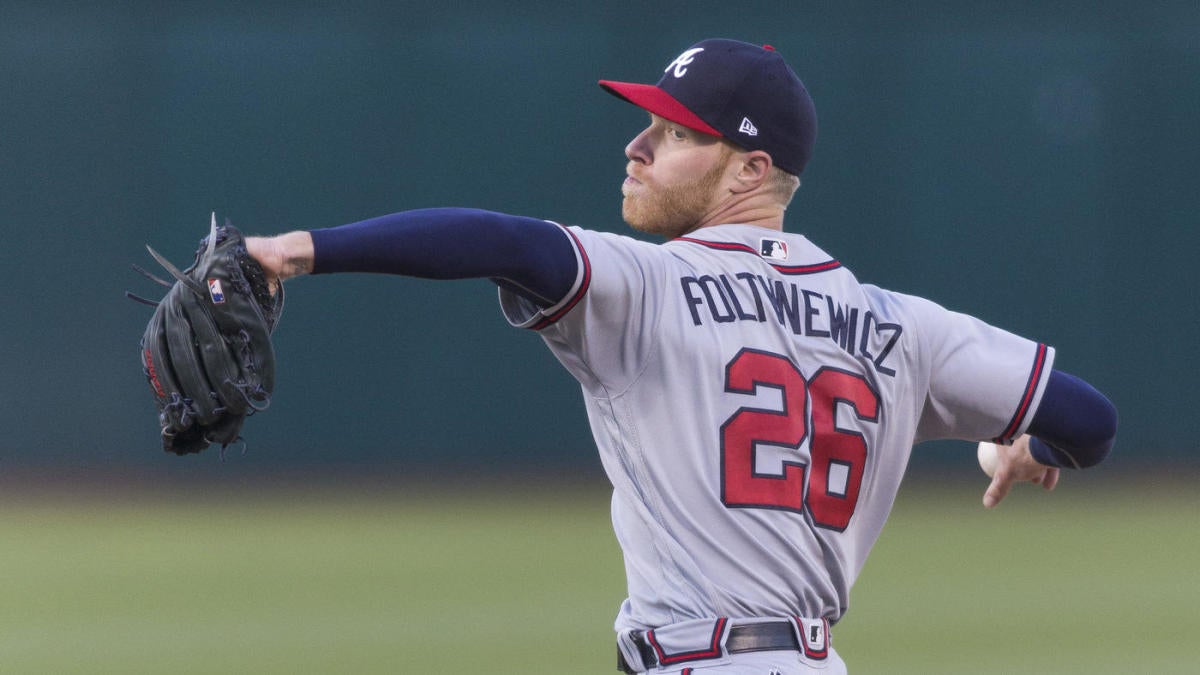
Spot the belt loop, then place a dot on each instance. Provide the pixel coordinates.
(814, 636)
(631, 657)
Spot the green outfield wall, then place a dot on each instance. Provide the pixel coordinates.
(1035, 164)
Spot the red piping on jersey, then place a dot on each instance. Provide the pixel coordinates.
(1035, 376)
(713, 651)
(782, 269)
(583, 287)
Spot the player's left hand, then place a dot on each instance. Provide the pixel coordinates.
(282, 257)
(207, 351)
(1015, 464)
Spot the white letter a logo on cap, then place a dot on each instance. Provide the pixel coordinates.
(682, 61)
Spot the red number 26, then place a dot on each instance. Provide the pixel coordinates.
(829, 487)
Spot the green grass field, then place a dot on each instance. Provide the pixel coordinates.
(328, 582)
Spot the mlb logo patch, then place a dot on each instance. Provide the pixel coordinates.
(215, 291)
(773, 249)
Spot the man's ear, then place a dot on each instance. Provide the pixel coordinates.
(753, 168)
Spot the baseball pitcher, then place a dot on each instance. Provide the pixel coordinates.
(754, 404)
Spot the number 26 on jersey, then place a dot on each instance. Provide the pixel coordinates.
(827, 488)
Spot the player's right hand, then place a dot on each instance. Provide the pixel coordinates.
(1015, 464)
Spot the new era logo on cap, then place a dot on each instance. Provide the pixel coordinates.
(739, 91)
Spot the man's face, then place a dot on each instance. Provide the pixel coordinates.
(674, 177)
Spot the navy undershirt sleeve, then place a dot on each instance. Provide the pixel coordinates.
(529, 256)
(1074, 426)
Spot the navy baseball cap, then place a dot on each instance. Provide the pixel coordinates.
(738, 91)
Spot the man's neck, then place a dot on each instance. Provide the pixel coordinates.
(769, 216)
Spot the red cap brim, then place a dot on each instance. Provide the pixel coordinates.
(655, 100)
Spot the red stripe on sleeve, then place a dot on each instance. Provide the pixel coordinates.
(1035, 376)
(582, 290)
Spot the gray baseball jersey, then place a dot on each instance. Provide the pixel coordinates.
(755, 406)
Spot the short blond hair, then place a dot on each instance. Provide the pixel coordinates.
(779, 182)
(783, 184)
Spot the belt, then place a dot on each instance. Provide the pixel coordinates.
(751, 637)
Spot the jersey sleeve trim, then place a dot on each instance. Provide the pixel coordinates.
(782, 269)
(1037, 374)
(551, 315)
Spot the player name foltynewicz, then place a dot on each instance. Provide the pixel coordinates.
(751, 297)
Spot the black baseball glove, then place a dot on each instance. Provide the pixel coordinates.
(207, 350)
